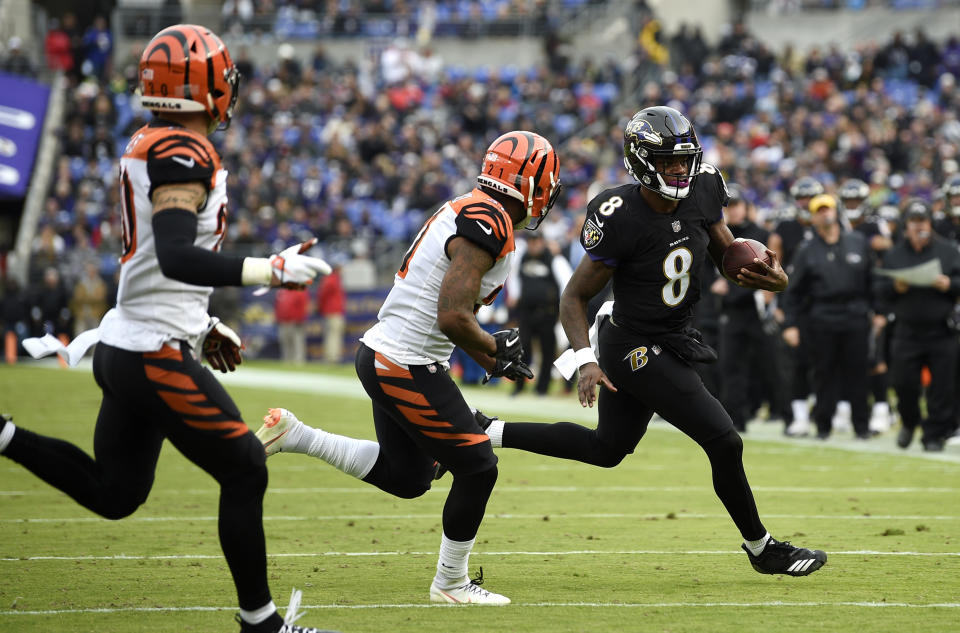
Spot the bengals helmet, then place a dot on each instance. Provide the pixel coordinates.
(652, 138)
(523, 166)
(187, 68)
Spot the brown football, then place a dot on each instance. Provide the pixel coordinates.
(741, 253)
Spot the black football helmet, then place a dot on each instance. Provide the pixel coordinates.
(806, 188)
(653, 137)
(854, 193)
(951, 190)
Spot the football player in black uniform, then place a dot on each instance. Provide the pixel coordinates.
(785, 239)
(651, 239)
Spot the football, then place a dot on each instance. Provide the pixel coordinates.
(741, 253)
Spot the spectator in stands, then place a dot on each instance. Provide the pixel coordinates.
(332, 306)
(89, 301)
(16, 61)
(291, 308)
(97, 49)
(58, 48)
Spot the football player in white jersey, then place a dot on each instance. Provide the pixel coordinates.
(457, 262)
(173, 192)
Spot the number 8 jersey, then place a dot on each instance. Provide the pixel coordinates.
(151, 308)
(407, 330)
(657, 256)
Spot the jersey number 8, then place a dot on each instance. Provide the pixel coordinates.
(676, 268)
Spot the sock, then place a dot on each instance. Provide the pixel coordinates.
(495, 433)
(756, 547)
(352, 456)
(801, 413)
(259, 615)
(6, 434)
(452, 564)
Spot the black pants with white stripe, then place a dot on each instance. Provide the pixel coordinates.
(149, 397)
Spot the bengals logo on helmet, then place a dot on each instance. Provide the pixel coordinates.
(187, 68)
(524, 166)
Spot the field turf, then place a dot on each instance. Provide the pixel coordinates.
(642, 547)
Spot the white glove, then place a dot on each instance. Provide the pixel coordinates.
(288, 269)
(292, 269)
(221, 346)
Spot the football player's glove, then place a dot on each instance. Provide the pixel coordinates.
(291, 269)
(294, 270)
(509, 357)
(221, 346)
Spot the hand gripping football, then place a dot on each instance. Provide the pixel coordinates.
(741, 253)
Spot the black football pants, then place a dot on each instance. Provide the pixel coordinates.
(649, 380)
(149, 397)
(421, 418)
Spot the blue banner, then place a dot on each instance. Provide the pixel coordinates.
(23, 106)
(258, 325)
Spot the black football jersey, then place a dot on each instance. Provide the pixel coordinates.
(658, 257)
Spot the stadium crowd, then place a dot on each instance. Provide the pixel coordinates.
(359, 153)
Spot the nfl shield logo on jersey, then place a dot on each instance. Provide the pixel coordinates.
(676, 226)
(591, 234)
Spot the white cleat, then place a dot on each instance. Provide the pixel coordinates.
(468, 593)
(276, 424)
(842, 418)
(880, 420)
(798, 428)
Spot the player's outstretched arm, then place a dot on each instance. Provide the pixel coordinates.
(588, 279)
(175, 231)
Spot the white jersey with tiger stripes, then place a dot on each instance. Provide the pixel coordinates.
(153, 309)
(407, 330)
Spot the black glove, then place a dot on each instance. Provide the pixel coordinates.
(509, 357)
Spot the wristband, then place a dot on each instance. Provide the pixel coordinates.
(257, 271)
(584, 356)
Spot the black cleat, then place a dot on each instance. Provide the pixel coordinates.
(483, 420)
(439, 470)
(904, 437)
(780, 557)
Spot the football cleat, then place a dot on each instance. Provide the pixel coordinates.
(276, 424)
(467, 593)
(439, 470)
(274, 624)
(798, 428)
(780, 557)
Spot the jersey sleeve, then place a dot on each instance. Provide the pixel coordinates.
(599, 235)
(181, 156)
(486, 226)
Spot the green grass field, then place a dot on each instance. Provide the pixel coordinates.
(642, 547)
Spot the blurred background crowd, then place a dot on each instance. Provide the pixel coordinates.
(358, 152)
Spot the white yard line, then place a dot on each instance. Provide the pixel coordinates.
(586, 552)
(514, 605)
(553, 516)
